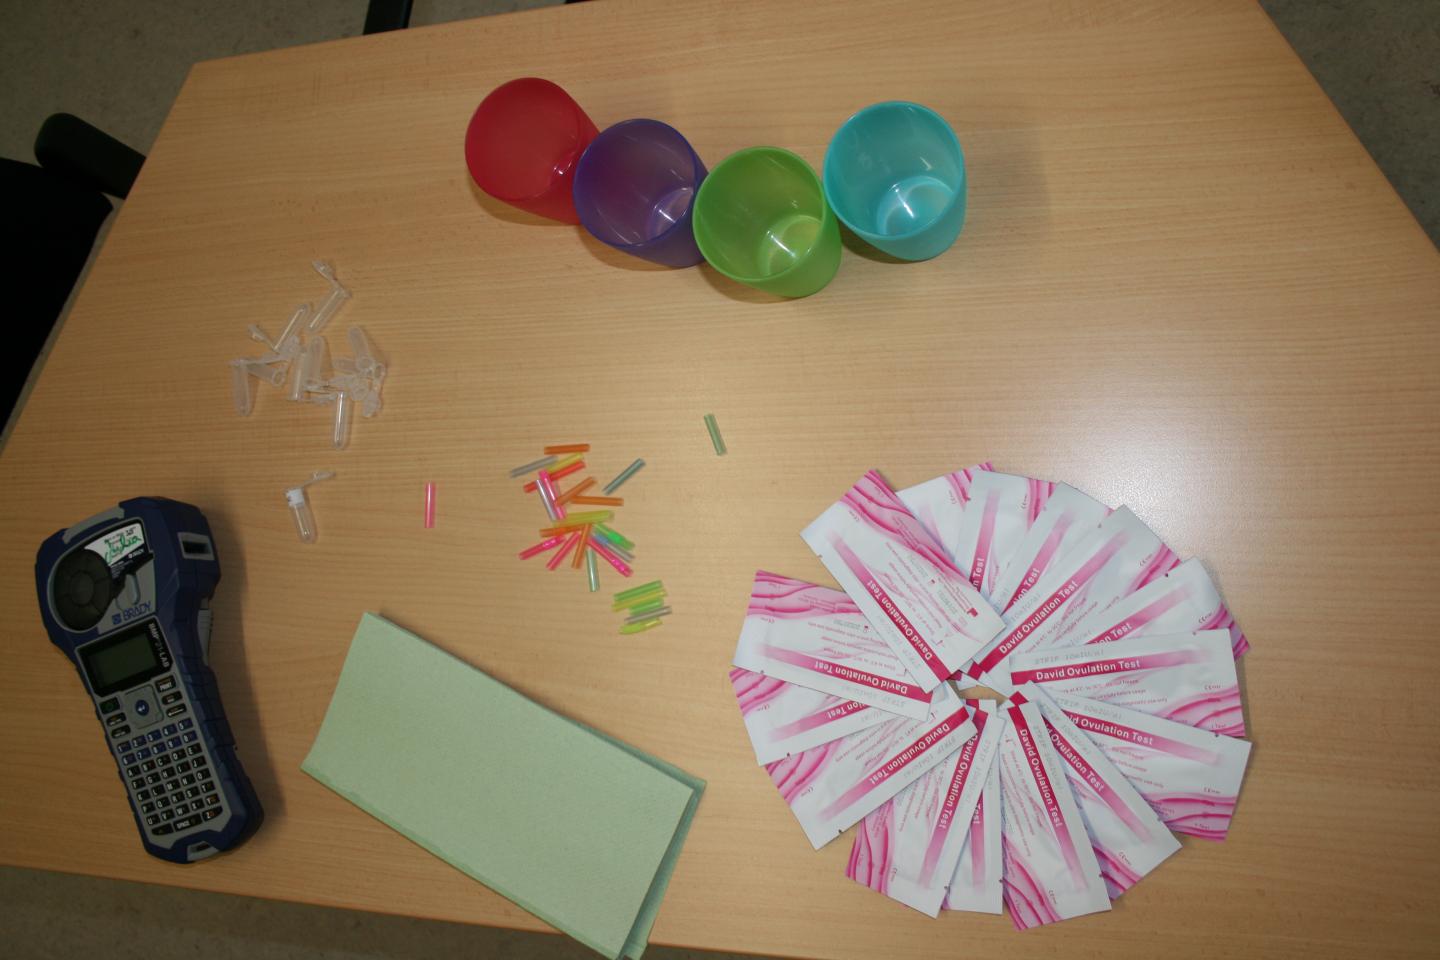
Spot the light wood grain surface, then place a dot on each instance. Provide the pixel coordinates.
(1183, 286)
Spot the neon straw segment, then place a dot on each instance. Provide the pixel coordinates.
(636, 591)
(557, 475)
(650, 603)
(579, 488)
(546, 544)
(568, 448)
(715, 438)
(610, 558)
(631, 605)
(532, 467)
(571, 460)
(600, 501)
(429, 506)
(554, 561)
(624, 475)
(614, 537)
(655, 614)
(592, 571)
(579, 556)
(584, 519)
(641, 627)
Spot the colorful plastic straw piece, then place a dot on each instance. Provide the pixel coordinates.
(654, 603)
(641, 627)
(576, 490)
(557, 475)
(609, 557)
(715, 438)
(592, 571)
(599, 501)
(547, 496)
(645, 600)
(649, 615)
(570, 542)
(568, 448)
(429, 506)
(579, 556)
(564, 462)
(614, 537)
(636, 591)
(583, 519)
(625, 474)
(547, 544)
(532, 467)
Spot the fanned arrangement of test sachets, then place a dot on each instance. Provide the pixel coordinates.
(1122, 726)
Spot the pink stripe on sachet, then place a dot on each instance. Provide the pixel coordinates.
(1118, 731)
(838, 712)
(907, 630)
(839, 671)
(897, 763)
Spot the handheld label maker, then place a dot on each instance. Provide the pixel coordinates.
(126, 596)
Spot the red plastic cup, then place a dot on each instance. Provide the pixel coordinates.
(523, 143)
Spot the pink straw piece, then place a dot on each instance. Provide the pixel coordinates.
(570, 542)
(541, 547)
(429, 506)
(610, 557)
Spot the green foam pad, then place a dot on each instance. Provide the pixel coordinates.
(574, 826)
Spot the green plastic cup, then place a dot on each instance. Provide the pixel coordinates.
(761, 219)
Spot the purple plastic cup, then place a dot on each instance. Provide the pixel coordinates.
(635, 189)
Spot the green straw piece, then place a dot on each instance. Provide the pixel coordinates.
(640, 601)
(715, 434)
(625, 474)
(592, 571)
(642, 626)
(614, 537)
(654, 602)
(636, 591)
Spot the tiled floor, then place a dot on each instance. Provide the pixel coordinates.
(120, 65)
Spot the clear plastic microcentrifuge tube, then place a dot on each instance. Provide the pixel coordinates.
(272, 373)
(299, 505)
(292, 329)
(338, 295)
(314, 364)
(343, 407)
(242, 390)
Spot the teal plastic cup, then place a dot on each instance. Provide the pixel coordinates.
(895, 175)
(761, 219)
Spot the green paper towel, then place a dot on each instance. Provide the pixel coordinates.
(572, 825)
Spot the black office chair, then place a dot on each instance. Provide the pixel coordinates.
(53, 213)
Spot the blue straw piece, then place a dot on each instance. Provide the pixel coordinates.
(625, 474)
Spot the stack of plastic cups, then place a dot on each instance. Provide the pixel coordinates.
(894, 174)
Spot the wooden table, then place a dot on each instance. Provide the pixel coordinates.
(1183, 286)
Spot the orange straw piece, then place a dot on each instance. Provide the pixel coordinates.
(563, 472)
(568, 448)
(579, 488)
(579, 557)
(596, 501)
